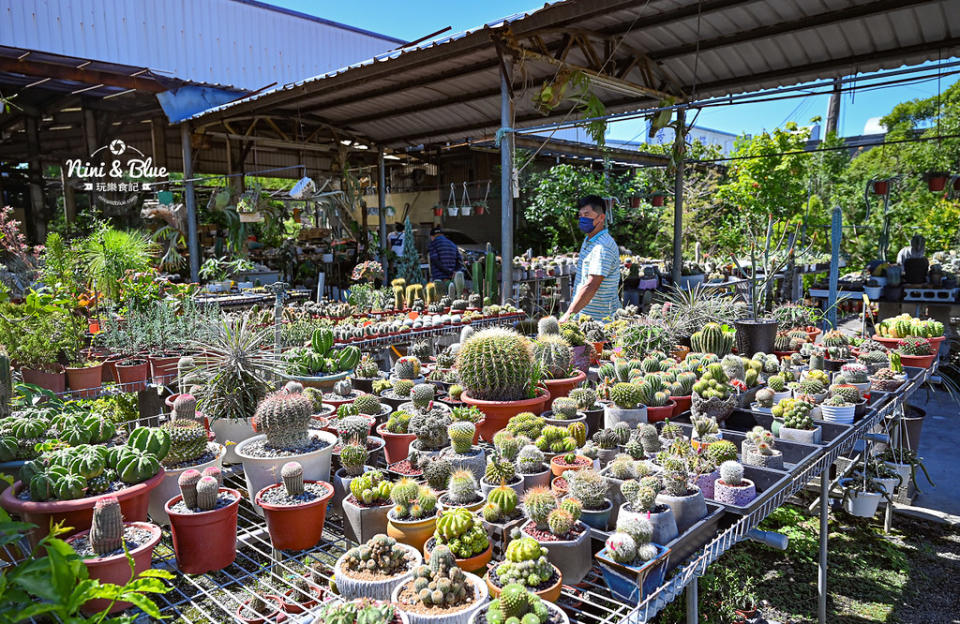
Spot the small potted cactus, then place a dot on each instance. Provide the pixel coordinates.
(916, 351)
(305, 593)
(526, 562)
(462, 532)
(569, 462)
(531, 467)
(557, 526)
(407, 368)
(365, 509)
(732, 488)
(713, 395)
(462, 491)
(555, 359)
(685, 500)
(500, 515)
(606, 441)
(396, 436)
(764, 402)
(374, 569)
(657, 399)
(586, 398)
(797, 422)
(341, 394)
(104, 547)
(856, 375)
(458, 594)
(516, 601)
(283, 421)
(462, 453)
(622, 469)
(563, 411)
(631, 564)
(778, 383)
(758, 449)
(413, 518)
(704, 466)
(627, 404)
(641, 501)
(422, 401)
(839, 408)
(295, 509)
(590, 488)
(501, 469)
(394, 393)
(366, 373)
(259, 607)
(369, 406)
(203, 522)
(429, 426)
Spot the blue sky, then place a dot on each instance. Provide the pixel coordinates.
(412, 19)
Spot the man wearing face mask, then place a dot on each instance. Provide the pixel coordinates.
(598, 266)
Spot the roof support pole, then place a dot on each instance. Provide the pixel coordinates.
(836, 236)
(382, 199)
(69, 201)
(679, 140)
(35, 218)
(833, 109)
(506, 182)
(193, 243)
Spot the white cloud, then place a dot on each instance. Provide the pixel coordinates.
(873, 126)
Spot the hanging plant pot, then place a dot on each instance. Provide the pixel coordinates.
(437, 211)
(453, 211)
(251, 217)
(657, 200)
(881, 187)
(936, 180)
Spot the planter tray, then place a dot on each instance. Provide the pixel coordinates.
(796, 455)
(767, 481)
(744, 420)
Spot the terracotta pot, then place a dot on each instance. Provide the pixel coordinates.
(921, 361)
(78, 513)
(550, 594)
(293, 605)
(656, 414)
(397, 446)
(295, 527)
(116, 569)
(205, 541)
(85, 381)
(474, 564)
(54, 382)
(109, 370)
(133, 377)
(890, 343)
(413, 533)
(562, 387)
(276, 602)
(681, 404)
(558, 468)
(559, 487)
(497, 413)
(163, 368)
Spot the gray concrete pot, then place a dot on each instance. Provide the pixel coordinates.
(606, 455)
(687, 510)
(475, 461)
(740, 495)
(537, 479)
(750, 457)
(663, 522)
(613, 415)
(572, 557)
(516, 485)
(350, 588)
(807, 436)
(362, 523)
(614, 495)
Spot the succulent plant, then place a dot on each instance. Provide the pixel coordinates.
(368, 404)
(353, 458)
(553, 355)
(187, 481)
(185, 407)
(188, 441)
(505, 499)
(399, 422)
(440, 582)
(462, 489)
(765, 397)
(380, 554)
(436, 470)
(588, 487)
(586, 398)
(499, 470)
(564, 408)
(526, 424)
(538, 503)
(407, 368)
(106, 529)
(207, 490)
(462, 532)
(548, 325)
(422, 396)
(713, 338)
(367, 368)
(731, 473)
(496, 365)
(292, 475)
(849, 394)
(621, 547)
(285, 419)
(530, 460)
(461, 436)
(371, 488)
(412, 501)
(507, 445)
(525, 562)
(352, 429)
(721, 451)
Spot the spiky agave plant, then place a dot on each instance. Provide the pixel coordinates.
(233, 369)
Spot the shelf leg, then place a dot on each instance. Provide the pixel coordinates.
(824, 533)
(693, 614)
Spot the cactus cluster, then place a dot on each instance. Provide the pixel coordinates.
(525, 562)
(589, 487)
(412, 501)
(631, 541)
(367, 368)
(461, 436)
(554, 439)
(713, 338)
(507, 445)
(538, 503)
(915, 346)
(199, 491)
(496, 365)
(431, 429)
(525, 424)
(285, 419)
(461, 531)
(499, 469)
(517, 603)
(585, 398)
(371, 488)
(440, 583)
(380, 555)
(501, 504)
(188, 441)
(564, 408)
(642, 495)
(849, 394)
(795, 413)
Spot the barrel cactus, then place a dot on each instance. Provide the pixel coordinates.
(554, 356)
(106, 529)
(285, 419)
(188, 441)
(292, 475)
(713, 338)
(496, 365)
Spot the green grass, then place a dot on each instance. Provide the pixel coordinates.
(872, 577)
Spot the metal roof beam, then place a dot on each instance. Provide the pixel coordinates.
(823, 19)
(86, 76)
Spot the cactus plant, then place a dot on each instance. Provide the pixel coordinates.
(106, 529)
(188, 441)
(207, 490)
(285, 419)
(496, 365)
(292, 475)
(368, 404)
(187, 481)
(553, 355)
(538, 503)
(381, 554)
(713, 338)
(422, 396)
(440, 582)
(530, 460)
(461, 436)
(353, 458)
(462, 488)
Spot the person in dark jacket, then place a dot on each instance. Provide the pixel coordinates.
(444, 256)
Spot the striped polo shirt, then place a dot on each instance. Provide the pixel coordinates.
(599, 255)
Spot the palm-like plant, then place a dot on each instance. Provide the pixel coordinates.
(234, 369)
(108, 254)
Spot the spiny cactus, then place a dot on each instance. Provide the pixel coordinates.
(530, 460)
(380, 554)
(207, 490)
(367, 368)
(215, 472)
(553, 355)
(293, 387)
(621, 547)
(353, 458)
(849, 394)
(461, 436)
(499, 470)
(462, 488)
(441, 582)
(367, 404)
(561, 522)
(496, 365)
(505, 499)
(292, 475)
(352, 429)
(106, 529)
(586, 398)
(721, 451)
(430, 429)
(188, 487)
(436, 471)
(285, 419)
(765, 397)
(548, 325)
(713, 338)
(422, 396)
(507, 445)
(731, 473)
(185, 366)
(538, 503)
(343, 388)
(185, 407)
(407, 367)
(626, 395)
(564, 408)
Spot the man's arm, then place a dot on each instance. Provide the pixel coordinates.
(583, 296)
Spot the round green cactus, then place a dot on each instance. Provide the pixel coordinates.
(496, 365)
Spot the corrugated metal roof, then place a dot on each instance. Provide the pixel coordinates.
(448, 89)
(245, 44)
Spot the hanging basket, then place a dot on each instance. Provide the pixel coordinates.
(251, 217)
(466, 206)
(657, 199)
(936, 180)
(452, 208)
(881, 187)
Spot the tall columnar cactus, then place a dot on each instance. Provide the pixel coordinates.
(185, 407)
(207, 490)
(431, 294)
(548, 325)
(496, 365)
(188, 441)
(185, 367)
(285, 419)
(554, 355)
(461, 436)
(187, 482)
(292, 475)
(713, 338)
(106, 530)
(422, 396)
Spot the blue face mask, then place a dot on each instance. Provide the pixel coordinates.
(586, 224)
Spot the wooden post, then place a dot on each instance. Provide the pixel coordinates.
(35, 217)
(158, 141)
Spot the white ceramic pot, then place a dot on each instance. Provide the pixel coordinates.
(613, 415)
(481, 595)
(806, 436)
(862, 504)
(351, 588)
(260, 472)
(168, 488)
(842, 415)
(231, 432)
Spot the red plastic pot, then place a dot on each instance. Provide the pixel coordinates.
(270, 599)
(290, 605)
(54, 382)
(397, 444)
(921, 361)
(562, 387)
(890, 343)
(110, 369)
(78, 513)
(163, 368)
(206, 541)
(680, 405)
(85, 381)
(936, 181)
(663, 412)
(116, 569)
(133, 376)
(497, 413)
(295, 527)
(881, 187)
(657, 200)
